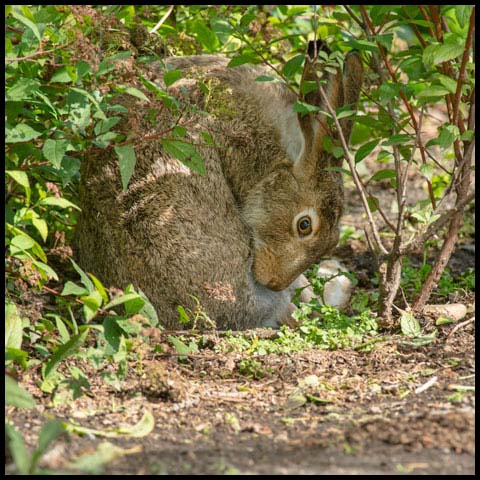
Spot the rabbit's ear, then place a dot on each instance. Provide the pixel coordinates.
(352, 83)
(341, 89)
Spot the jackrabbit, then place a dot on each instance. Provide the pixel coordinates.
(238, 237)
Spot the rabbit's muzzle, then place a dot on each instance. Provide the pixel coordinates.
(274, 272)
(278, 268)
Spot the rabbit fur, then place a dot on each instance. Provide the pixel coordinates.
(229, 237)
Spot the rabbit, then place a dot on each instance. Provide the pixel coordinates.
(236, 240)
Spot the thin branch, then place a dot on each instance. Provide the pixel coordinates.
(419, 239)
(427, 18)
(461, 73)
(162, 20)
(266, 62)
(36, 54)
(351, 164)
(415, 29)
(354, 17)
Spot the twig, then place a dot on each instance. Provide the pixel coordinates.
(354, 17)
(77, 300)
(351, 164)
(452, 234)
(266, 62)
(426, 385)
(422, 237)
(459, 326)
(162, 20)
(461, 73)
(36, 54)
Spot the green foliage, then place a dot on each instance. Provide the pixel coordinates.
(413, 278)
(25, 462)
(331, 329)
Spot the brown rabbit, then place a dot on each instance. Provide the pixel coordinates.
(238, 237)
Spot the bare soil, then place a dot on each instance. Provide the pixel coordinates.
(211, 419)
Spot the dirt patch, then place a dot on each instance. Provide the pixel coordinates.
(363, 416)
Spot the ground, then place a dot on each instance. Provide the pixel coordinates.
(211, 419)
(394, 408)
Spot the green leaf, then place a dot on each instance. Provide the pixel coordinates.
(62, 329)
(17, 396)
(143, 428)
(72, 288)
(121, 300)
(433, 91)
(293, 65)
(181, 348)
(17, 356)
(448, 134)
(65, 74)
(385, 40)
(41, 225)
(183, 316)
(105, 453)
(58, 202)
(63, 352)
(28, 23)
(47, 271)
(171, 77)
(438, 53)
(463, 13)
(345, 113)
(427, 170)
(22, 242)
(54, 151)
(17, 448)
(13, 327)
(373, 203)
(383, 174)
(265, 78)
(48, 434)
(22, 89)
(409, 325)
(207, 37)
(100, 288)
(93, 300)
(99, 113)
(362, 45)
(305, 108)
(112, 332)
(365, 150)
(186, 153)
(36, 248)
(108, 64)
(135, 92)
(22, 179)
(241, 59)
(127, 160)
(85, 280)
(308, 86)
(148, 310)
(398, 139)
(103, 126)
(443, 321)
(449, 83)
(21, 133)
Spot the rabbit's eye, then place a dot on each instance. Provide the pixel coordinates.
(304, 226)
